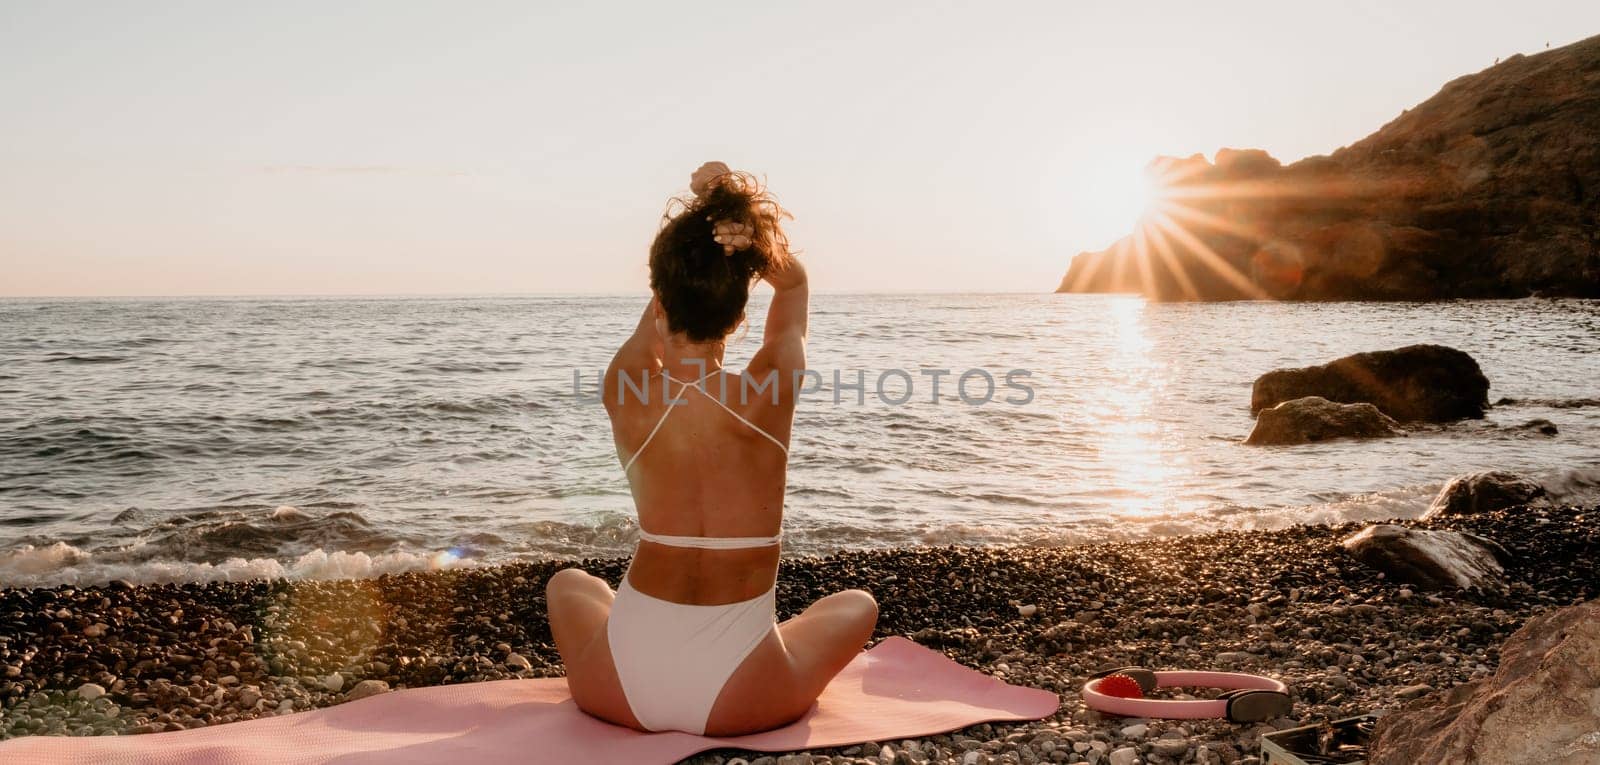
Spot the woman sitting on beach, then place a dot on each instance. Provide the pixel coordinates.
(689, 641)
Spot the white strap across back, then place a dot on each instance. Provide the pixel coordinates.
(703, 543)
(696, 385)
(710, 543)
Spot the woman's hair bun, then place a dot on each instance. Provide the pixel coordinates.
(702, 287)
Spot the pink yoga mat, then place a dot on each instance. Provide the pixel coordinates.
(896, 690)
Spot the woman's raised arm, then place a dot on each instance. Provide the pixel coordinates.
(790, 311)
(783, 344)
(637, 355)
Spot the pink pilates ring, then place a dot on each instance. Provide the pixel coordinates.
(1255, 698)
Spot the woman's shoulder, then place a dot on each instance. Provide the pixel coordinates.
(781, 365)
(631, 378)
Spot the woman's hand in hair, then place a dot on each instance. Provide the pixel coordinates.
(700, 181)
(733, 235)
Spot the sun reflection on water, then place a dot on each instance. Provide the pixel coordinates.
(1143, 470)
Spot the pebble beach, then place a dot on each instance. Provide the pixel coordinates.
(129, 659)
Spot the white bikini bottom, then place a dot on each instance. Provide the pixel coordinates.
(674, 658)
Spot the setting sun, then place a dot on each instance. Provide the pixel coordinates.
(1173, 206)
(1109, 196)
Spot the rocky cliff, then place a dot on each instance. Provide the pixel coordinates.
(1489, 189)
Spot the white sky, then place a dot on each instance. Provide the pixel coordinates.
(159, 148)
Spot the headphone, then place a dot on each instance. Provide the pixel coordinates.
(1249, 698)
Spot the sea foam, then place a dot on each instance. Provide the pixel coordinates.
(61, 563)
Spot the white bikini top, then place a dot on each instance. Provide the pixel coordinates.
(703, 543)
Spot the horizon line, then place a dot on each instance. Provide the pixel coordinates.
(391, 295)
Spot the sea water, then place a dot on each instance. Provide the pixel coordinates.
(178, 439)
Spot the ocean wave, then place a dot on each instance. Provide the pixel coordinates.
(1377, 506)
(68, 358)
(260, 543)
(1579, 485)
(411, 408)
(61, 563)
(254, 531)
(607, 534)
(35, 519)
(207, 535)
(143, 342)
(464, 367)
(1549, 403)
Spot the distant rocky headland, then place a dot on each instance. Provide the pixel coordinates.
(1489, 189)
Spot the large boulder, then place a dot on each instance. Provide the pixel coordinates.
(1484, 492)
(1312, 419)
(1429, 559)
(1429, 383)
(1541, 706)
(1488, 189)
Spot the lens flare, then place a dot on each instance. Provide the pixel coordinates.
(446, 558)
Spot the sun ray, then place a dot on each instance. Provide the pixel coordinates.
(1170, 254)
(1119, 265)
(1214, 222)
(1092, 264)
(1209, 257)
(1141, 256)
(1174, 263)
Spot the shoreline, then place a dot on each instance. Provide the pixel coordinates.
(1285, 602)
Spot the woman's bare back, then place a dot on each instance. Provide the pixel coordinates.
(708, 471)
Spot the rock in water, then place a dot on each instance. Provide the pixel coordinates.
(367, 688)
(1429, 383)
(1539, 706)
(1312, 419)
(1487, 189)
(1540, 426)
(1483, 493)
(1430, 559)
